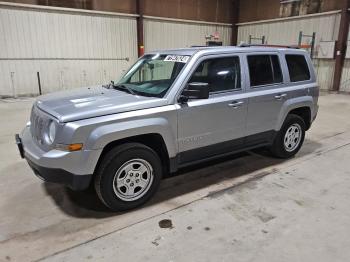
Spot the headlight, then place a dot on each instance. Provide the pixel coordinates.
(51, 132)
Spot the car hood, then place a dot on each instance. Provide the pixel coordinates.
(95, 101)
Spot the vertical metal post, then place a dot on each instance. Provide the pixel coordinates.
(140, 12)
(340, 47)
(313, 39)
(250, 39)
(105, 76)
(62, 80)
(14, 91)
(234, 21)
(39, 83)
(84, 78)
(300, 38)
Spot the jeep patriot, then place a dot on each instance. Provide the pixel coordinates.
(171, 109)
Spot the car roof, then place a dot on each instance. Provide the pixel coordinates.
(223, 49)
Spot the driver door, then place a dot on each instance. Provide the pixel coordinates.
(213, 126)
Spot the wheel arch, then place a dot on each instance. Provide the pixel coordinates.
(301, 106)
(305, 113)
(155, 141)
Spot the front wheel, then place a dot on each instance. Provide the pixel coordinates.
(290, 138)
(128, 176)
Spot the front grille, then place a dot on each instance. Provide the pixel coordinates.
(38, 123)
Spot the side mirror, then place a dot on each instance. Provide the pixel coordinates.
(195, 90)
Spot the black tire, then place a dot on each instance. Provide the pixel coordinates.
(111, 163)
(278, 148)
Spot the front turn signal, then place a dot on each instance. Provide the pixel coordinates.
(70, 148)
(75, 147)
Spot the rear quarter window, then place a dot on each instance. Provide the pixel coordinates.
(298, 68)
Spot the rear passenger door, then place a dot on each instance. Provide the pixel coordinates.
(266, 96)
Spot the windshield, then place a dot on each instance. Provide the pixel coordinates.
(153, 75)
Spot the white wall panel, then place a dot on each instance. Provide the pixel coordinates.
(345, 80)
(324, 69)
(286, 32)
(161, 34)
(69, 49)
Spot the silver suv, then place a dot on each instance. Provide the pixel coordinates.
(173, 108)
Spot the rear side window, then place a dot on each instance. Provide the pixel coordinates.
(264, 70)
(298, 68)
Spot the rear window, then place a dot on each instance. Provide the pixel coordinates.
(298, 68)
(264, 70)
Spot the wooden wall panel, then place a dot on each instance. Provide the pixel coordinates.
(225, 10)
(168, 8)
(252, 10)
(29, 2)
(79, 4)
(255, 10)
(121, 6)
(329, 5)
(202, 10)
(207, 10)
(189, 9)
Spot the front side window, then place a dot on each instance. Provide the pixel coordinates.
(221, 74)
(264, 70)
(153, 75)
(298, 68)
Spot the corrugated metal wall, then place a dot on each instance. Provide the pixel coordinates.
(345, 79)
(286, 32)
(324, 69)
(73, 48)
(69, 49)
(162, 34)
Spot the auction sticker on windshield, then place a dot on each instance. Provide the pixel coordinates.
(177, 58)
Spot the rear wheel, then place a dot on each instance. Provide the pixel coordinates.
(128, 176)
(290, 138)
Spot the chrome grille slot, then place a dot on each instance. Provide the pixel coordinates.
(38, 122)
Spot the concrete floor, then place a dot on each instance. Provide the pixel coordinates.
(248, 207)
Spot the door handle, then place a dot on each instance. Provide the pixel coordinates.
(280, 96)
(236, 104)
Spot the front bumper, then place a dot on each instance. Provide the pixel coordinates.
(73, 169)
(60, 176)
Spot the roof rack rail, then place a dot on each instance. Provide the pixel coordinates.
(268, 45)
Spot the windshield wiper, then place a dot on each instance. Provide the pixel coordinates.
(122, 88)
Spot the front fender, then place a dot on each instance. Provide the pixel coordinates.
(103, 135)
(293, 103)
